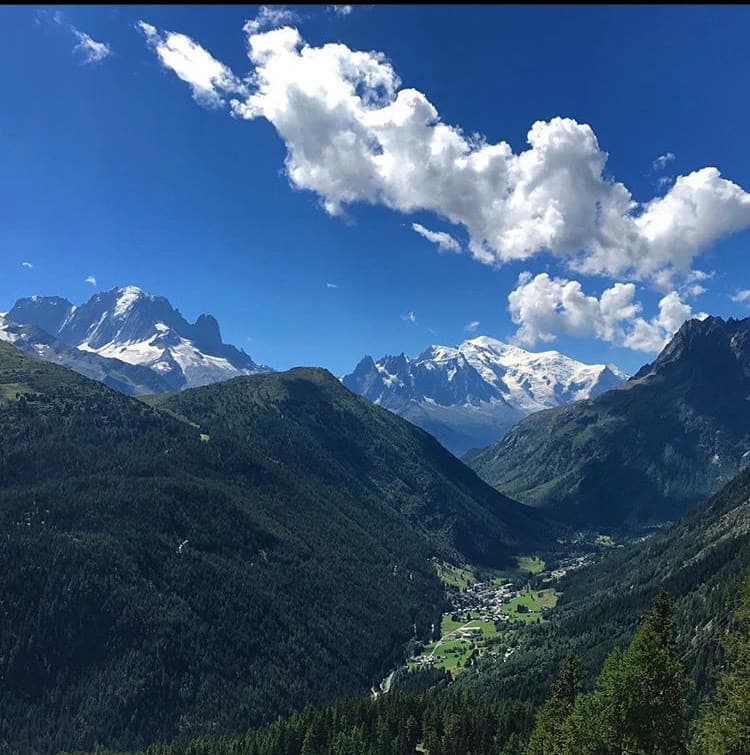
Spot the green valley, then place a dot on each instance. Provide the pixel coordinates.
(485, 617)
(530, 605)
(199, 564)
(460, 642)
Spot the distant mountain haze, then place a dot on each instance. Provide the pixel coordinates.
(470, 395)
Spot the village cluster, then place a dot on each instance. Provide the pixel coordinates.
(482, 604)
(484, 601)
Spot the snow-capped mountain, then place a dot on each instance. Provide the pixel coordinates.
(470, 395)
(140, 329)
(131, 379)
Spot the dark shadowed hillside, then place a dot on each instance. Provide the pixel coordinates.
(268, 547)
(306, 421)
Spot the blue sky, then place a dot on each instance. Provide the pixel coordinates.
(114, 167)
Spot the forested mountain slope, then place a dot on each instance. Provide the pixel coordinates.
(305, 421)
(644, 452)
(162, 577)
(640, 704)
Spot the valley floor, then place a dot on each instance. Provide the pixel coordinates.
(489, 609)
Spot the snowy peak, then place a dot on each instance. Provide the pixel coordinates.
(120, 316)
(132, 380)
(440, 375)
(45, 312)
(126, 298)
(470, 394)
(537, 380)
(138, 328)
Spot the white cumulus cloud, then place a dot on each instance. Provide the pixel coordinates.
(341, 10)
(445, 242)
(91, 280)
(332, 285)
(544, 307)
(270, 16)
(409, 317)
(471, 327)
(208, 79)
(742, 295)
(662, 161)
(651, 335)
(91, 50)
(354, 134)
(654, 334)
(27, 265)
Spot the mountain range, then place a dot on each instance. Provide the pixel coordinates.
(644, 452)
(470, 395)
(206, 561)
(542, 428)
(135, 329)
(139, 344)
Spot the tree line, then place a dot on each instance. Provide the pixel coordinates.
(640, 704)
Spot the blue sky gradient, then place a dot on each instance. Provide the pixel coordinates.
(110, 169)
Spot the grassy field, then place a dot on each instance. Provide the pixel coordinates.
(8, 390)
(531, 564)
(455, 576)
(447, 625)
(452, 655)
(605, 540)
(452, 651)
(535, 601)
(525, 567)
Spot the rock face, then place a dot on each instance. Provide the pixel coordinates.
(137, 328)
(130, 379)
(470, 395)
(646, 451)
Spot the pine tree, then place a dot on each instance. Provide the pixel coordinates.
(546, 739)
(592, 728)
(724, 726)
(310, 744)
(640, 702)
(411, 731)
(654, 687)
